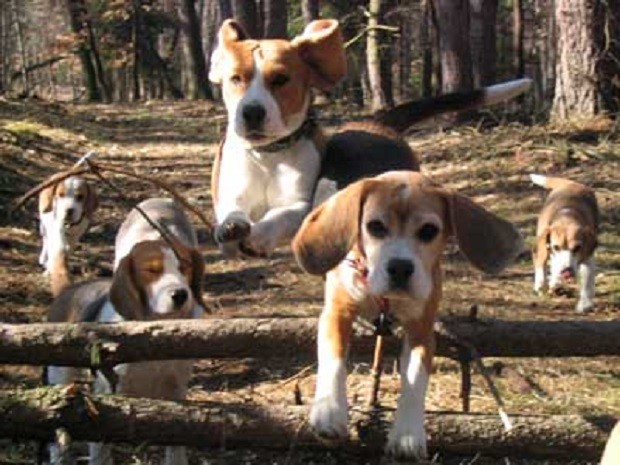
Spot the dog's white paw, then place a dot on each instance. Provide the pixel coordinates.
(407, 440)
(262, 241)
(328, 418)
(584, 305)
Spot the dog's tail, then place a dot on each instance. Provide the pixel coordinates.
(405, 115)
(549, 182)
(57, 264)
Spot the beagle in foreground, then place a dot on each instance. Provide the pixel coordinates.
(266, 171)
(566, 236)
(154, 279)
(611, 454)
(383, 238)
(68, 207)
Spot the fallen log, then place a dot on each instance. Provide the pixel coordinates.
(36, 413)
(92, 344)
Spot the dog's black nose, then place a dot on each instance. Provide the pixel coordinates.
(70, 212)
(253, 115)
(179, 297)
(400, 270)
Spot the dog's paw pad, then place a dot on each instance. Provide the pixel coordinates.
(234, 228)
(329, 419)
(407, 444)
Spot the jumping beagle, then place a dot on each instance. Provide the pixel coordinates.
(266, 171)
(566, 236)
(68, 207)
(381, 239)
(154, 279)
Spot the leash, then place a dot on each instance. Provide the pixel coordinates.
(383, 329)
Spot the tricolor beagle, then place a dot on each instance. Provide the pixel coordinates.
(266, 171)
(383, 238)
(67, 206)
(154, 279)
(566, 235)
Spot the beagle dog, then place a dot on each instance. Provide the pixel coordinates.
(68, 207)
(266, 171)
(380, 240)
(154, 279)
(566, 236)
(611, 454)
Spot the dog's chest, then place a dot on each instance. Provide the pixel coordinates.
(260, 181)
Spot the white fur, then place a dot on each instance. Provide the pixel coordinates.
(274, 190)
(587, 274)
(558, 262)
(539, 279)
(407, 438)
(505, 91)
(160, 291)
(539, 180)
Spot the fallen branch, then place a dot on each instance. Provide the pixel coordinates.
(80, 344)
(37, 413)
(40, 64)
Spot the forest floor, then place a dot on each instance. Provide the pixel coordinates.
(176, 142)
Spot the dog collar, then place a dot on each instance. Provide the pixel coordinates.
(305, 130)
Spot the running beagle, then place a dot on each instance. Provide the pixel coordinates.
(67, 207)
(154, 279)
(382, 239)
(566, 236)
(266, 171)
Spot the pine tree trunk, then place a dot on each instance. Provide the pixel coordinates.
(193, 51)
(454, 51)
(276, 19)
(575, 83)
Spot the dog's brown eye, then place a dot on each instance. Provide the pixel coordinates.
(377, 229)
(235, 79)
(577, 248)
(79, 197)
(279, 80)
(555, 247)
(428, 232)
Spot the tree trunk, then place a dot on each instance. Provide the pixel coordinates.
(226, 10)
(483, 41)
(99, 71)
(276, 19)
(575, 83)
(246, 13)
(455, 55)
(135, 37)
(607, 37)
(21, 47)
(426, 44)
(405, 44)
(518, 29)
(310, 10)
(37, 413)
(64, 344)
(378, 99)
(194, 53)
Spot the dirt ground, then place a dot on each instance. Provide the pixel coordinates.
(176, 142)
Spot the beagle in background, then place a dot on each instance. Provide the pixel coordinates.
(154, 279)
(379, 239)
(566, 236)
(66, 207)
(265, 173)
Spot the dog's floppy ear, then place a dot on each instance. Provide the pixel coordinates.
(198, 270)
(590, 241)
(328, 233)
(92, 201)
(489, 242)
(321, 46)
(124, 292)
(46, 199)
(230, 32)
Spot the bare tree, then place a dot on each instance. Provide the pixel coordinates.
(379, 99)
(246, 12)
(226, 10)
(194, 53)
(483, 40)
(17, 20)
(276, 19)
(77, 9)
(518, 31)
(310, 10)
(454, 51)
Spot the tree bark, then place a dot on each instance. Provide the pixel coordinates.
(276, 19)
(575, 83)
(454, 51)
(21, 47)
(426, 44)
(517, 37)
(226, 10)
(483, 41)
(246, 13)
(79, 345)
(310, 10)
(378, 99)
(37, 413)
(194, 53)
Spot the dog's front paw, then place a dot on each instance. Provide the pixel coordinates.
(234, 228)
(408, 440)
(584, 305)
(328, 418)
(261, 242)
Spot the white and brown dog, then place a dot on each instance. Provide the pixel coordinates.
(154, 279)
(566, 236)
(383, 238)
(67, 207)
(266, 171)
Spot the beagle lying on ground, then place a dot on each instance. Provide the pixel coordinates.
(566, 236)
(266, 171)
(383, 238)
(154, 279)
(68, 207)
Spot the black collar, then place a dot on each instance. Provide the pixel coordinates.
(305, 130)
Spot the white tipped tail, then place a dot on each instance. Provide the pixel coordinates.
(539, 180)
(505, 91)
